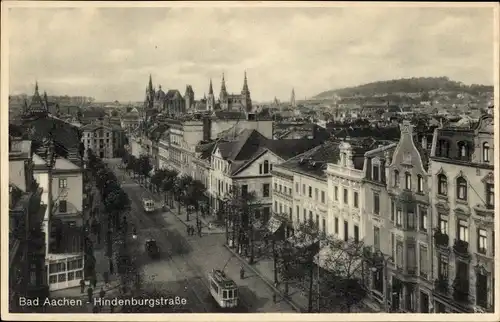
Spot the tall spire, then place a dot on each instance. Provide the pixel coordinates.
(223, 85)
(210, 89)
(150, 85)
(245, 84)
(36, 87)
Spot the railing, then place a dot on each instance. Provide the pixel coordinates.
(441, 239)
(461, 247)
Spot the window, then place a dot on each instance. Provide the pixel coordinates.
(393, 211)
(376, 203)
(376, 238)
(266, 167)
(482, 241)
(297, 187)
(63, 206)
(310, 192)
(346, 196)
(275, 206)
(63, 183)
(244, 190)
(420, 183)
(322, 197)
(410, 216)
(336, 193)
(324, 225)
(290, 191)
(280, 188)
(463, 230)
(490, 195)
(443, 224)
(376, 173)
(461, 188)
(393, 245)
(399, 255)
(399, 217)
(424, 302)
(260, 168)
(336, 226)
(411, 257)
(356, 199)
(346, 230)
(310, 216)
(275, 186)
(317, 220)
(462, 149)
(423, 219)
(486, 152)
(482, 290)
(316, 194)
(281, 208)
(408, 181)
(423, 261)
(298, 213)
(265, 190)
(442, 185)
(304, 189)
(396, 178)
(356, 233)
(305, 215)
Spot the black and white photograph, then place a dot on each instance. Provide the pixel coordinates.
(249, 157)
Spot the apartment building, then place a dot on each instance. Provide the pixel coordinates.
(62, 184)
(98, 138)
(462, 201)
(27, 276)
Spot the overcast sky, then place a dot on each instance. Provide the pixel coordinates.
(109, 53)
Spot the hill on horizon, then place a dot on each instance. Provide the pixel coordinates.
(405, 85)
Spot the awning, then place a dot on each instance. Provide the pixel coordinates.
(301, 240)
(339, 261)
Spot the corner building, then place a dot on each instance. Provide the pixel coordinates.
(462, 198)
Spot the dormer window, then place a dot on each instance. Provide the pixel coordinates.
(461, 188)
(376, 173)
(462, 150)
(443, 148)
(266, 167)
(486, 152)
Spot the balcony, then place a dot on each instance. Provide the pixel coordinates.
(442, 240)
(441, 285)
(461, 248)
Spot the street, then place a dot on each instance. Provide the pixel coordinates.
(186, 260)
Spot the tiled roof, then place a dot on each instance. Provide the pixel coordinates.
(389, 133)
(65, 164)
(327, 152)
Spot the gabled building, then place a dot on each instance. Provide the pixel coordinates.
(99, 138)
(462, 198)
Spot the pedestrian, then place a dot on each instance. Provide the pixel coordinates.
(82, 285)
(111, 268)
(242, 273)
(102, 293)
(90, 291)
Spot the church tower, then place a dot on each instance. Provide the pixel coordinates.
(292, 98)
(223, 97)
(37, 106)
(211, 97)
(245, 95)
(150, 95)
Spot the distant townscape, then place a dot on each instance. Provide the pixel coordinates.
(374, 198)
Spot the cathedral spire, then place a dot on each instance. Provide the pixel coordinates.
(223, 85)
(245, 84)
(210, 89)
(150, 85)
(36, 87)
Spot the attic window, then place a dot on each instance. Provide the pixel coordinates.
(266, 167)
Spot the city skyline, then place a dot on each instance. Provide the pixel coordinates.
(110, 53)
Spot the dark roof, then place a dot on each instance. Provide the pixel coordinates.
(313, 162)
(388, 133)
(205, 150)
(230, 115)
(288, 148)
(171, 94)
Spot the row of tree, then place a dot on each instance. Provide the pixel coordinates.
(180, 188)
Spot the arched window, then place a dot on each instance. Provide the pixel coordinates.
(266, 166)
(461, 188)
(408, 180)
(396, 178)
(420, 183)
(442, 185)
(486, 152)
(443, 148)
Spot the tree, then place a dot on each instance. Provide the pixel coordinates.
(116, 203)
(181, 190)
(195, 191)
(144, 166)
(131, 164)
(157, 179)
(168, 184)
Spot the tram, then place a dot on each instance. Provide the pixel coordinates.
(148, 205)
(223, 289)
